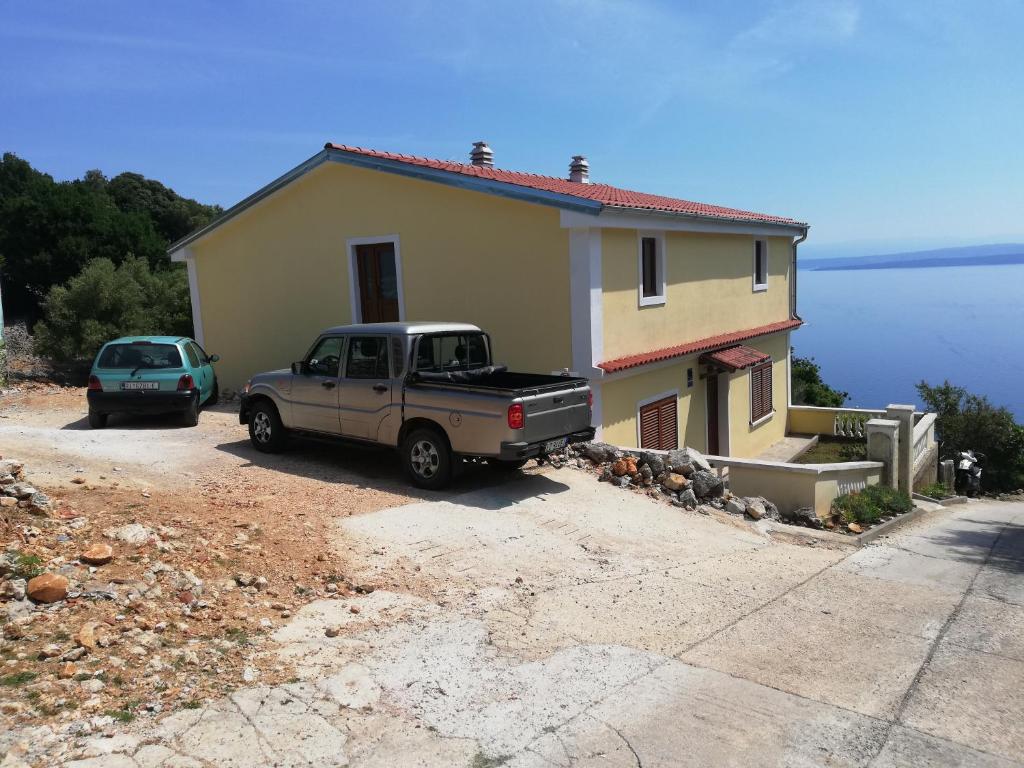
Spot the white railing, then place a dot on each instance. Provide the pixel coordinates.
(839, 422)
(924, 438)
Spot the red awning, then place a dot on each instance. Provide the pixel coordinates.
(735, 358)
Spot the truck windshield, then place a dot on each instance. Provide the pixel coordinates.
(452, 352)
(140, 355)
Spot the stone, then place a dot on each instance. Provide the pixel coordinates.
(245, 579)
(97, 554)
(47, 588)
(8, 501)
(599, 453)
(706, 484)
(688, 499)
(803, 516)
(646, 475)
(67, 670)
(620, 468)
(675, 482)
(20, 490)
(854, 528)
(770, 510)
(40, 504)
(353, 609)
(92, 685)
(73, 655)
(755, 508)
(653, 460)
(133, 533)
(88, 636)
(624, 481)
(735, 506)
(12, 468)
(677, 461)
(332, 631)
(13, 589)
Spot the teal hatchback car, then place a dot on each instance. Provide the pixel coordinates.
(149, 375)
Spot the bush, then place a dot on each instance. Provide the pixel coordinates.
(935, 491)
(871, 504)
(967, 421)
(104, 302)
(808, 387)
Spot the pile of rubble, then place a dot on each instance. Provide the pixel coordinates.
(683, 477)
(112, 605)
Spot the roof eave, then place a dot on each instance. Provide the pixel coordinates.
(790, 226)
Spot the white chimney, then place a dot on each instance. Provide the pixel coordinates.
(579, 170)
(481, 155)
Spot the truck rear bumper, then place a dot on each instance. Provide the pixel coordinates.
(514, 451)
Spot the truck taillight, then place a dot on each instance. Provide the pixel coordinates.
(94, 383)
(515, 416)
(186, 382)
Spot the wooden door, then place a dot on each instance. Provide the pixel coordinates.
(713, 439)
(378, 282)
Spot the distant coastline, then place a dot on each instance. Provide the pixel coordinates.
(996, 254)
(937, 261)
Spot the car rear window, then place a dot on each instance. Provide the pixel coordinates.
(140, 355)
(451, 352)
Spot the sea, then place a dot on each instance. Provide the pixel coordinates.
(877, 332)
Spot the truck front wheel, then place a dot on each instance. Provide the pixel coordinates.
(427, 459)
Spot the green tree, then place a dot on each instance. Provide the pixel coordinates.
(50, 230)
(808, 387)
(968, 421)
(106, 301)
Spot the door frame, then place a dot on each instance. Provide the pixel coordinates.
(353, 273)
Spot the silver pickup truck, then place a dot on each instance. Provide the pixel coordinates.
(429, 389)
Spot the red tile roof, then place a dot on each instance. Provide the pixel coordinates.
(601, 193)
(691, 347)
(736, 357)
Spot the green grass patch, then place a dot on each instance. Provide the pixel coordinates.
(192, 704)
(480, 760)
(121, 715)
(833, 450)
(27, 566)
(935, 491)
(237, 635)
(18, 678)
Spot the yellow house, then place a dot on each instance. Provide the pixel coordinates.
(678, 312)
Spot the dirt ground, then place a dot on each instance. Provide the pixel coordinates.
(238, 543)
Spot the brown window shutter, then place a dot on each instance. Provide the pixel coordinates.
(668, 426)
(760, 391)
(649, 426)
(766, 390)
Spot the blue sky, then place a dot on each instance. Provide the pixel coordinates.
(885, 125)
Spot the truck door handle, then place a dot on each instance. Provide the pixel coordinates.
(558, 399)
(380, 388)
(328, 384)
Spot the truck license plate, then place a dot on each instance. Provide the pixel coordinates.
(555, 445)
(140, 385)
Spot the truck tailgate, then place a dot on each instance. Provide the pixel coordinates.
(554, 414)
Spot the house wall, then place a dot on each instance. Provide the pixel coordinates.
(745, 439)
(273, 277)
(621, 398)
(709, 289)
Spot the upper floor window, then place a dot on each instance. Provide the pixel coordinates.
(760, 265)
(652, 270)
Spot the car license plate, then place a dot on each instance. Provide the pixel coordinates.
(140, 385)
(555, 445)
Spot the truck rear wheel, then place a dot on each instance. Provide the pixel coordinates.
(427, 459)
(266, 432)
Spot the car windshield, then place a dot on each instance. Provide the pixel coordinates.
(451, 352)
(140, 355)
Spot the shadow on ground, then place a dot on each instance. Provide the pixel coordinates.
(1003, 539)
(366, 466)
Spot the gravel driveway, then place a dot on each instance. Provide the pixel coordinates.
(550, 621)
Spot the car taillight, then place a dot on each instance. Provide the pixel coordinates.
(94, 383)
(186, 382)
(515, 416)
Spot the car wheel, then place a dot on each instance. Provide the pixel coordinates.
(266, 431)
(191, 414)
(507, 465)
(214, 397)
(97, 420)
(427, 459)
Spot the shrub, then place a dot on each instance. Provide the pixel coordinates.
(967, 421)
(808, 387)
(104, 302)
(871, 504)
(935, 491)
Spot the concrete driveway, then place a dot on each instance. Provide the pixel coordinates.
(554, 621)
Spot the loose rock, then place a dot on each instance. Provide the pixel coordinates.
(47, 588)
(98, 554)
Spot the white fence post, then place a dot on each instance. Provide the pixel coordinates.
(884, 446)
(904, 414)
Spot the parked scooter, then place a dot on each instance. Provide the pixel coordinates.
(968, 473)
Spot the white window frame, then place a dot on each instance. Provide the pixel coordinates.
(750, 394)
(353, 273)
(659, 245)
(759, 287)
(656, 398)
